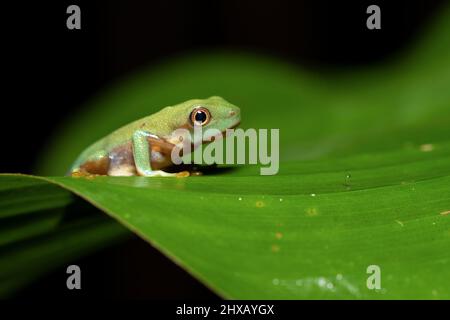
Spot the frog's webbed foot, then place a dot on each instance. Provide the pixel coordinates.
(160, 173)
(78, 173)
(183, 174)
(186, 170)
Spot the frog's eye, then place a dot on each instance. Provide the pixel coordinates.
(200, 116)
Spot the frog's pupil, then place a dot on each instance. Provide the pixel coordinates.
(200, 116)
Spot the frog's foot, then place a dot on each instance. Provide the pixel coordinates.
(83, 174)
(183, 174)
(160, 173)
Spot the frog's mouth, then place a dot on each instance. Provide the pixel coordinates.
(223, 134)
(234, 126)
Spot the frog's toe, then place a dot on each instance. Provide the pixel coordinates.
(159, 173)
(82, 174)
(183, 174)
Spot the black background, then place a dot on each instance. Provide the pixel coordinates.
(49, 71)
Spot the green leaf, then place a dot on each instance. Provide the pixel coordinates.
(296, 235)
(36, 235)
(364, 177)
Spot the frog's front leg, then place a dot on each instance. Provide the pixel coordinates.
(142, 155)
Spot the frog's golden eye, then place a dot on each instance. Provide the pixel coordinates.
(200, 116)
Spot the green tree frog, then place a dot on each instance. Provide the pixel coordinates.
(144, 146)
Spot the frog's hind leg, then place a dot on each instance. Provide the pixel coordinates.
(97, 164)
(142, 156)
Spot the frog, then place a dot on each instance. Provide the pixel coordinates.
(143, 147)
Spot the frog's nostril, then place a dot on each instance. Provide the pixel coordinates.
(232, 113)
